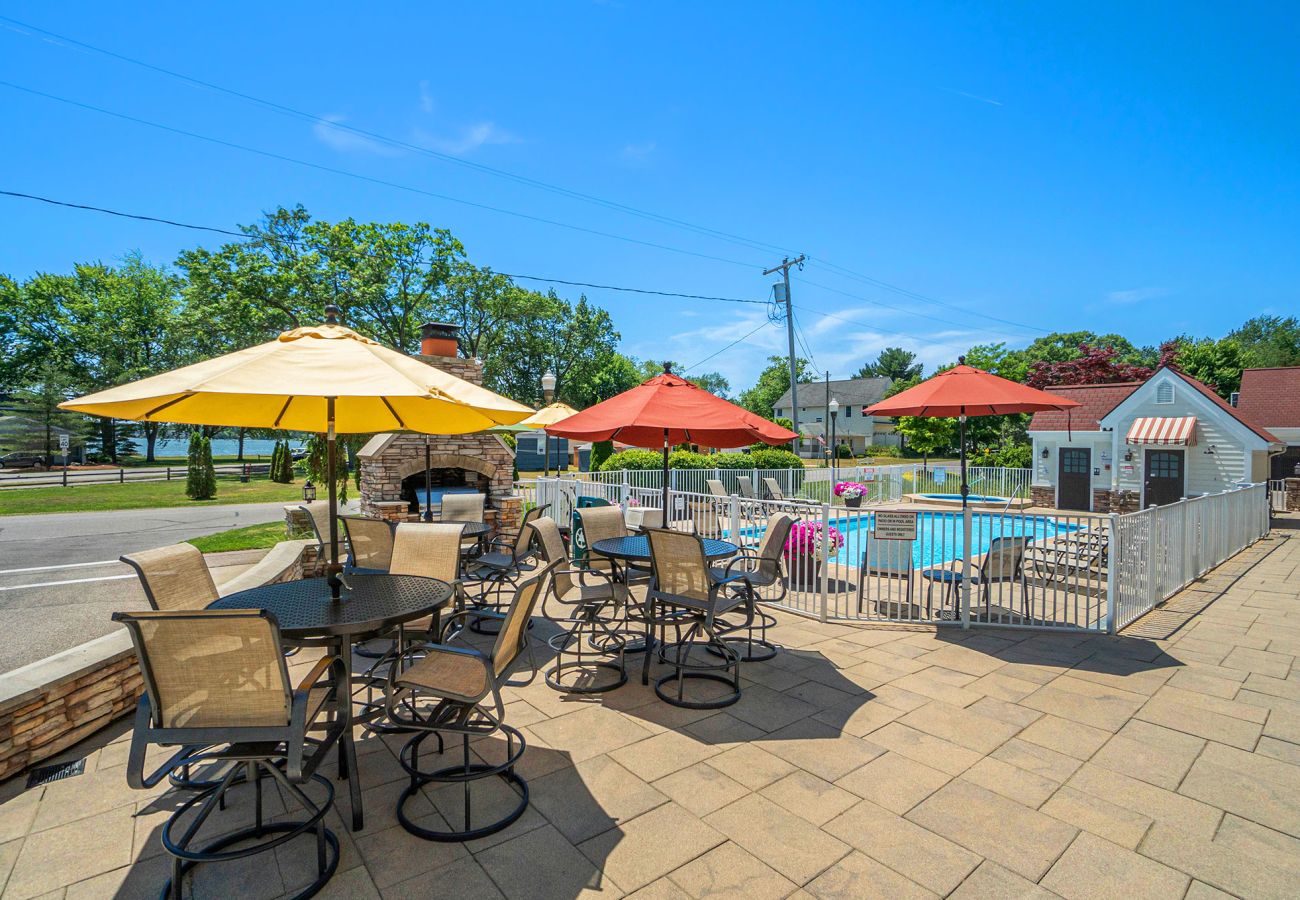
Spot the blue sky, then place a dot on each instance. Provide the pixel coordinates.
(1031, 167)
